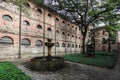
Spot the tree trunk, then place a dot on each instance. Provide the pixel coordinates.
(109, 45)
(83, 44)
(84, 32)
(94, 42)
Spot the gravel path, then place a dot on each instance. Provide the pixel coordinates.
(75, 71)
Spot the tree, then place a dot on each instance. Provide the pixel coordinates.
(88, 12)
(112, 30)
(38, 2)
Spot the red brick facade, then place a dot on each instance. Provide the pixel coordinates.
(66, 32)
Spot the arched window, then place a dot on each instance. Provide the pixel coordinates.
(68, 34)
(72, 45)
(49, 15)
(104, 41)
(63, 44)
(68, 45)
(25, 22)
(68, 24)
(25, 41)
(76, 46)
(76, 36)
(57, 32)
(63, 33)
(63, 22)
(7, 17)
(49, 29)
(39, 26)
(39, 11)
(38, 43)
(73, 36)
(79, 46)
(57, 44)
(103, 32)
(6, 40)
(76, 28)
(57, 19)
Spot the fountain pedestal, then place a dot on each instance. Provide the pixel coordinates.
(48, 63)
(49, 45)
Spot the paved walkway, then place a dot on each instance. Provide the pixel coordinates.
(75, 71)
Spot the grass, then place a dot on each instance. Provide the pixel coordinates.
(101, 59)
(9, 71)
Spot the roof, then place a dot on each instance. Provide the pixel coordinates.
(97, 29)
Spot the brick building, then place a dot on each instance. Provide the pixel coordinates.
(37, 24)
(101, 40)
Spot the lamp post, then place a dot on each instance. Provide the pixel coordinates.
(55, 34)
(20, 16)
(44, 33)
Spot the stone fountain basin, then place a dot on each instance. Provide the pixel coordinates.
(48, 44)
(42, 64)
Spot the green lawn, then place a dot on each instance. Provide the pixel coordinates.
(9, 71)
(102, 59)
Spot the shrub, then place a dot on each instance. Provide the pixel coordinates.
(9, 71)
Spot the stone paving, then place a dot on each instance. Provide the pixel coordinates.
(75, 71)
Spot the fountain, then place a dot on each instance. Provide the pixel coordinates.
(48, 63)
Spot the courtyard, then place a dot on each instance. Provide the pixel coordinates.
(59, 39)
(73, 71)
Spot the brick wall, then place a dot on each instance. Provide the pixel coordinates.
(32, 33)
